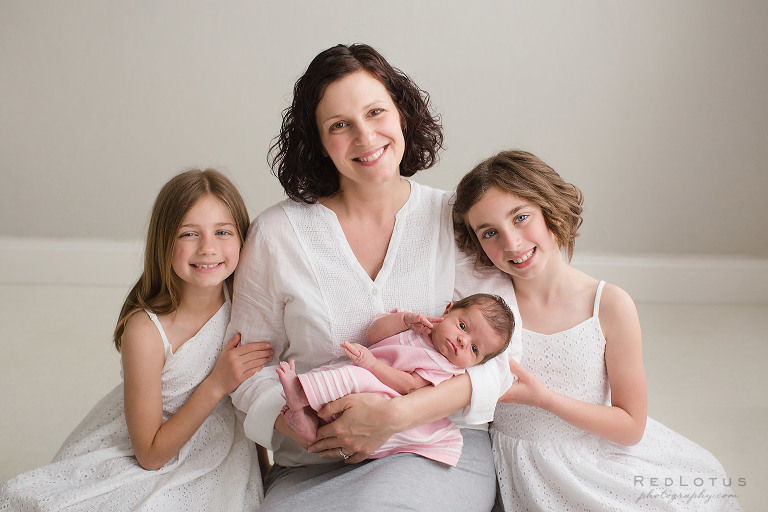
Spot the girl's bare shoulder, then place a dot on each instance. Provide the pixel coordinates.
(615, 300)
(617, 313)
(141, 333)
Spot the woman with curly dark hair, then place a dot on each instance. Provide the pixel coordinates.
(356, 239)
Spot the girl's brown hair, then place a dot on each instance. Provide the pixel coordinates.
(526, 176)
(159, 288)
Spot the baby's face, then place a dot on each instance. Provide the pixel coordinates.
(465, 337)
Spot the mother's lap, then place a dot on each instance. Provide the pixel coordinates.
(399, 482)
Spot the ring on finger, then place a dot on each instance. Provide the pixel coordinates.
(344, 455)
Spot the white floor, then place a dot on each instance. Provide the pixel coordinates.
(702, 361)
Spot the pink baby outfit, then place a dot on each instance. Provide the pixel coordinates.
(408, 351)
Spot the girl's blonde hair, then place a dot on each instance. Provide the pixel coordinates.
(159, 288)
(526, 176)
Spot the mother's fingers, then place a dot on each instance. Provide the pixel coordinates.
(354, 458)
(327, 436)
(327, 439)
(329, 447)
(326, 447)
(329, 410)
(339, 453)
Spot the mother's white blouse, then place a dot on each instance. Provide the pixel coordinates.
(300, 287)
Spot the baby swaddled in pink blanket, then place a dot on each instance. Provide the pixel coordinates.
(410, 351)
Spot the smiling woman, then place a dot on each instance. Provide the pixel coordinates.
(355, 240)
(363, 138)
(299, 159)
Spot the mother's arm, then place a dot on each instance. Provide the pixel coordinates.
(368, 420)
(257, 316)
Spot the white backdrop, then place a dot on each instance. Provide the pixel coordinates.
(657, 110)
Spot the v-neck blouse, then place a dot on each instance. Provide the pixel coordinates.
(333, 224)
(300, 287)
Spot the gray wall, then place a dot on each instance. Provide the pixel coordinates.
(657, 109)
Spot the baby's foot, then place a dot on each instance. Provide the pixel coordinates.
(294, 393)
(303, 421)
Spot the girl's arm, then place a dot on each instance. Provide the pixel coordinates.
(155, 442)
(400, 321)
(399, 380)
(624, 420)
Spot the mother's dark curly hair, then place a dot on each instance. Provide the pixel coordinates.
(297, 157)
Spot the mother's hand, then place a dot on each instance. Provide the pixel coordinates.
(365, 423)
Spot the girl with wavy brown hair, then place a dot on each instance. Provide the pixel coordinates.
(573, 433)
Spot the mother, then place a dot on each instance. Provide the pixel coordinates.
(356, 239)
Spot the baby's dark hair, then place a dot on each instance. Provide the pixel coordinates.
(498, 314)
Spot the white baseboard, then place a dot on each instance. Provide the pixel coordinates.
(93, 262)
(647, 278)
(708, 280)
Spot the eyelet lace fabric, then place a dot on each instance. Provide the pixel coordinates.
(544, 463)
(95, 469)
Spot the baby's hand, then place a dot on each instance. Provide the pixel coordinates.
(422, 324)
(359, 355)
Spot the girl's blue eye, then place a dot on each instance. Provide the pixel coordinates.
(462, 326)
(186, 235)
(223, 233)
(490, 233)
(521, 218)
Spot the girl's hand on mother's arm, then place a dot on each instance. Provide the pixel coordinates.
(527, 389)
(245, 359)
(367, 420)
